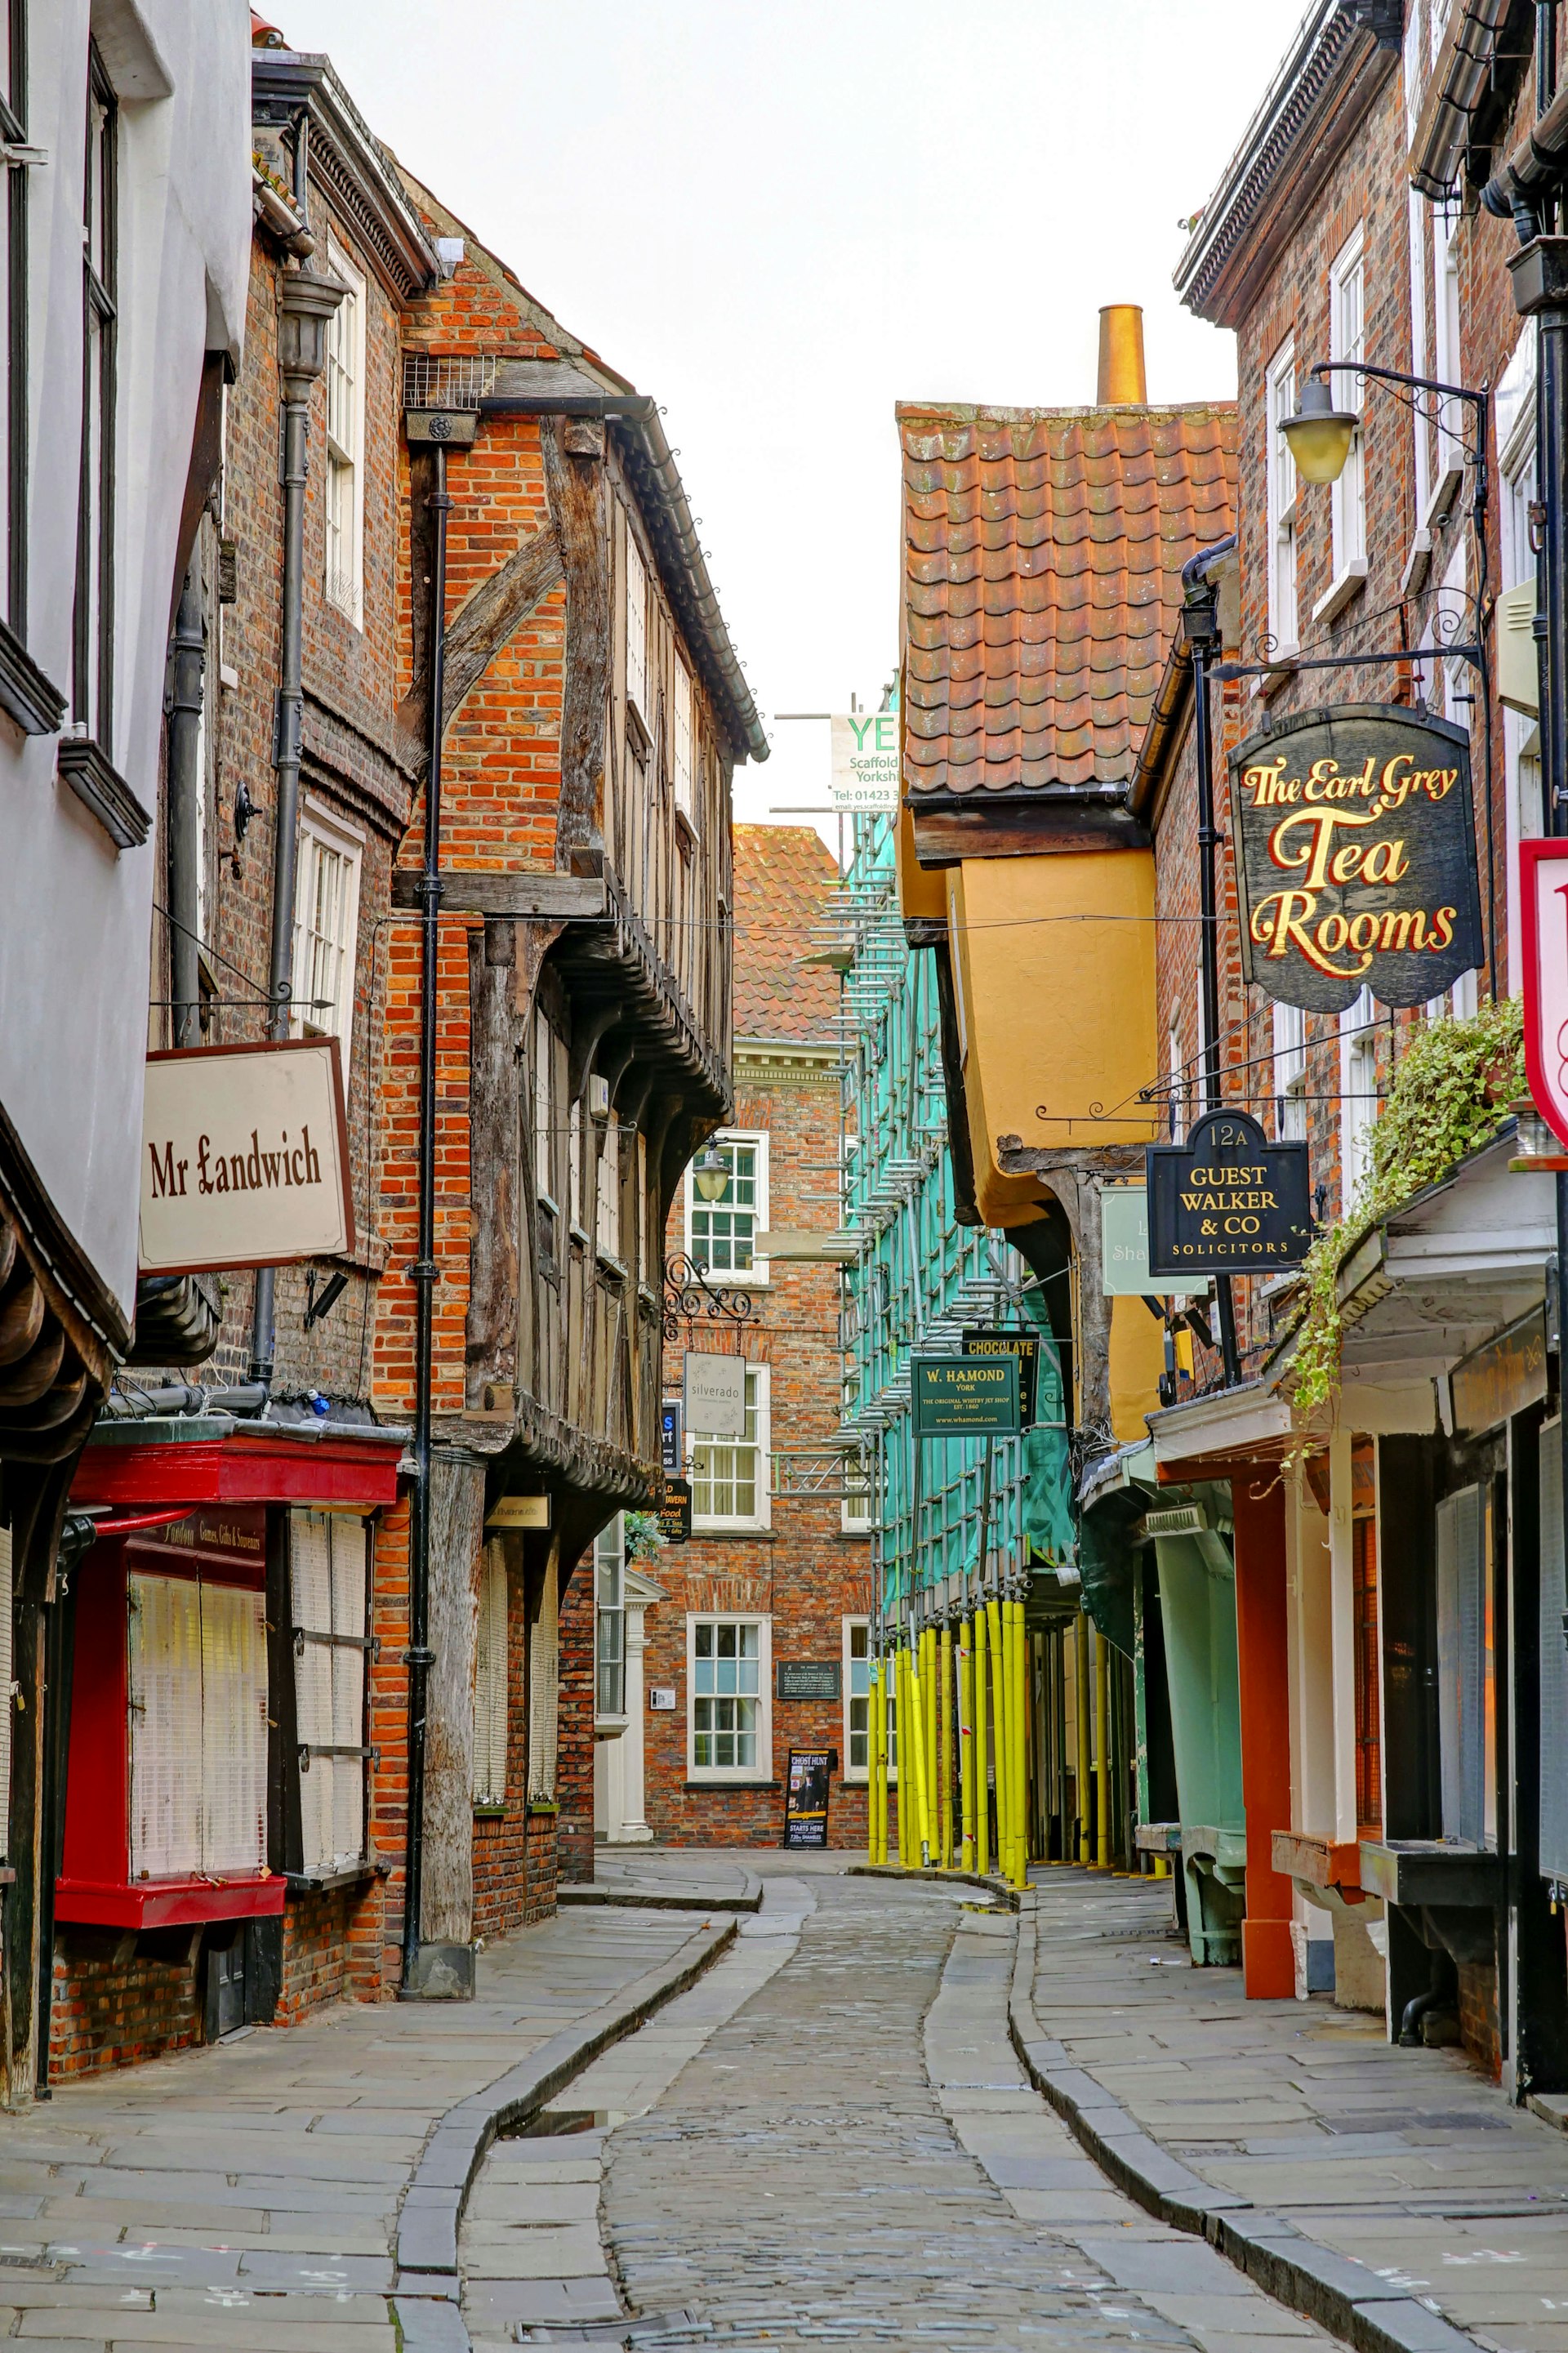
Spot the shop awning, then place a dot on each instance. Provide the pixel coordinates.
(214, 1458)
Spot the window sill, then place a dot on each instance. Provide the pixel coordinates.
(101, 788)
(1417, 563)
(686, 829)
(748, 1534)
(489, 1810)
(1444, 490)
(615, 1268)
(1349, 585)
(168, 1903)
(27, 692)
(544, 1805)
(637, 728)
(317, 1883)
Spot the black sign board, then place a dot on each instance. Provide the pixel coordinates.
(669, 1437)
(1026, 1348)
(1226, 1201)
(675, 1512)
(809, 1678)
(1356, 856)
(966, 1397)
(811, 1772)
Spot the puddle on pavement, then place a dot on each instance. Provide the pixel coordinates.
(551, 2124)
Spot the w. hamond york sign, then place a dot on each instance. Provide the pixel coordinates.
(244, 1159)
(1355, 863)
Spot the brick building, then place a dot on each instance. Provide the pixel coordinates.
(774, 1579)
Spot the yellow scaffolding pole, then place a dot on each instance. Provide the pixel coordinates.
(982, 1764)
(1081, 1693)
(928, 1723)
(997, 1644)
(1019, 1720)
(876, 1811)
(919, 1833)
(901, 1722)
(944, 1759)
(1102, 1751)
(967, 1741)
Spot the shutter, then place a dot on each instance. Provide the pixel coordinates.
(351, 1561)
(164, 1645)
(233, 1728)
(310, 1598)
(1554, 1662)
(7, 1702)
(1461, 1713)
(491, 1679)
(542, 1675)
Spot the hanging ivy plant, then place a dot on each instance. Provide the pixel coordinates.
(644, 1541)
(1450, 1095)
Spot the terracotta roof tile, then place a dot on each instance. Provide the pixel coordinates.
(1043, 552)
(784, 876)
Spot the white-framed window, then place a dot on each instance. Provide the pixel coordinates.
(1418, 226)
(197, 1688)
(730, 1475)
(328, 1592)
(729, 1675)
(1450, 451)
(326, 927)
(491, 1663)
(344, 499)
(637, 626)
(610, 1619)
(93, 630)
(854, 1513)
(544, 1689)
(721, 1235)
(607, 1202)
(1284, 626)
(7, 1598)
(1177, 1065)
(857, 1699)
(685, 774)
(1347, 340)
(1289, 1072)
(1358, 1093)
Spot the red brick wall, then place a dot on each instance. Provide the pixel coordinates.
(803, 1572)
(1479, 2029)
(574, 1754)
(515, 1860)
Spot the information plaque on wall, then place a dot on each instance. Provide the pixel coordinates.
(808, 1678)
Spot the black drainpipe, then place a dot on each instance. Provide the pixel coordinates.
(185, 683)
(308, 302)
(424, 1272)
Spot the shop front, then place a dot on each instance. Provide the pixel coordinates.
(219, 1861)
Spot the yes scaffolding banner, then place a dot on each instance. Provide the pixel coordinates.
(865, 760)
(245, 1157)
(1356, 856)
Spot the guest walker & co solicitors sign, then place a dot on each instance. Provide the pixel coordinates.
(1225, 1202)
(1355, 856)
(244, 1158)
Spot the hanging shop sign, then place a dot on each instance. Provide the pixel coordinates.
(714, 1394)
(865, 760)
(1505, 1376)
(808, 1678)
(1024, 1346)
(671, 1444)
(1355, 841)
(1544, 908)
(244, 1158)
(518, 1513)
(1124, 1243)
(1226, 1201)
(966, 1397)
(674, 1512)
(810, 1777)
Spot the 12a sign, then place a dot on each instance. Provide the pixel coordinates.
(1543, 906)
(966, 1397)
(1356, 856)
(245, 1157)
(1226, 1201)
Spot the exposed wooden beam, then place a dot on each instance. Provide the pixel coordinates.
(525, 892)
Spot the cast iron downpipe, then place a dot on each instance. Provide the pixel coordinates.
(424, 1272)
(1200, 625)
(187, 665)
(308, 302)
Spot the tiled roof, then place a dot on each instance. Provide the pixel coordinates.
(1043, 554)
(784, 876)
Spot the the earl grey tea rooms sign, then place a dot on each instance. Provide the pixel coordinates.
(1355, 862)
(245, 1157)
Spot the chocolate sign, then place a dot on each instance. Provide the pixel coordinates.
(1355, 856)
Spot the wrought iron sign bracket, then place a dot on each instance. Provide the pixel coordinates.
(689, 1298)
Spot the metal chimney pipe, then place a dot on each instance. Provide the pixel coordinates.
(1122, 383)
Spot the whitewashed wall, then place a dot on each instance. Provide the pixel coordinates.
(75, 913)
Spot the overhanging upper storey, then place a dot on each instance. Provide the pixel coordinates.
(1043, 554)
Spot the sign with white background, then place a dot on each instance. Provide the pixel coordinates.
(715, 1395)
(245, 1157)
(1543, 906)
(865, 760)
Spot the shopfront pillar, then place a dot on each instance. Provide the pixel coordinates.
(1262, 1631)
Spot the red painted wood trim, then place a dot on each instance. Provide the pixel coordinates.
(242, 1471)
(1262, 1660)
(98, 1775)
(167, 1903)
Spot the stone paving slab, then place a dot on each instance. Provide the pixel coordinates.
(1363, 2165)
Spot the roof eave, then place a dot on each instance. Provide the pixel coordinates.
(348, 157)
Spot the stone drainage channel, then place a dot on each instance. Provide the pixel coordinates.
(829, 2137)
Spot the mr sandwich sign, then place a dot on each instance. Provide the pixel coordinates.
(1356, 856)
(244, 1158)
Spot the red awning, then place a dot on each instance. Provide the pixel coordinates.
(254, 1463)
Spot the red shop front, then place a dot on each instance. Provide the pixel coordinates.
(218, 1797)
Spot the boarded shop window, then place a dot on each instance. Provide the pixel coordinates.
(329, 1583)
(543, 1677)
(490, 1680)
(1465, 1672)
(196, 1655)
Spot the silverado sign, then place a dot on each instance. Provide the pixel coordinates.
(244, 1158)
(1355, 856)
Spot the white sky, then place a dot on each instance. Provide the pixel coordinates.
(779, 216)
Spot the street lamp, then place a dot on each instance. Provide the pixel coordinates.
(710, 1175)
(1320, 435)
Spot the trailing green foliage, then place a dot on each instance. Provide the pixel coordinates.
(644, 1541)
(1450, 1095)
